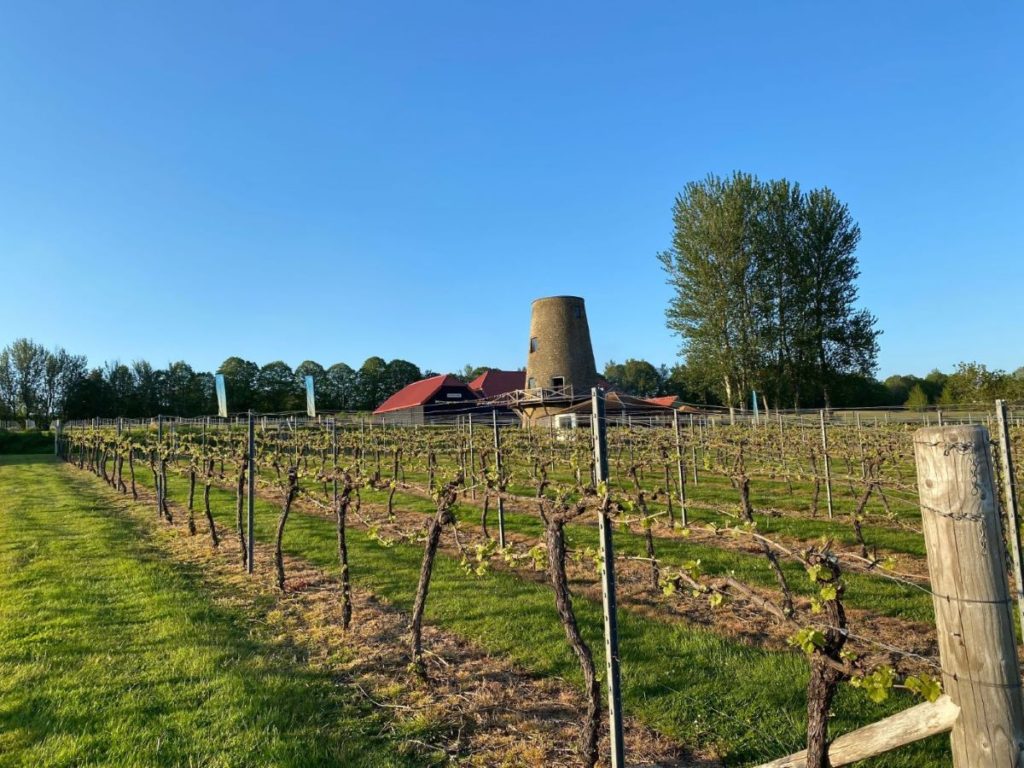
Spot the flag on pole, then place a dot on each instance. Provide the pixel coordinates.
(310, 398)
(222, 397)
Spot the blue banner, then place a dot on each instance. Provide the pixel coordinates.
(222, 397)
(310, 398)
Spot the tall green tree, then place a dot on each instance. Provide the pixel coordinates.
(718, 306)
(22, 374)
(765, 291)
(843, 338)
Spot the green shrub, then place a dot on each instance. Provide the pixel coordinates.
(30, 441)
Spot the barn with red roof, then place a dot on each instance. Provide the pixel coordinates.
(422, 401)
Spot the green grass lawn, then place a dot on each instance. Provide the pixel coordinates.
(688, 682)
(112, 655)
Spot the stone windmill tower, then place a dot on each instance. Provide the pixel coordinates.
(560, 370)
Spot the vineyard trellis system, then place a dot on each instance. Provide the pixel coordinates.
(751, 488)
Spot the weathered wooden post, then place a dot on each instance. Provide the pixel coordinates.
(973, 615)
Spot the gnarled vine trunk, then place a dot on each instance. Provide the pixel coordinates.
(554, 537)
(443, 516)
(207, 482)
(239, 503)
(286, 508)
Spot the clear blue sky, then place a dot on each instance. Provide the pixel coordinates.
(337, 180)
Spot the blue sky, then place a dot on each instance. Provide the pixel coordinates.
(333, 181)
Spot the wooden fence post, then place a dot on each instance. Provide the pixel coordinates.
(973, 614)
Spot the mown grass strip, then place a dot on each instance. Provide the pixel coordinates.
(111, 655)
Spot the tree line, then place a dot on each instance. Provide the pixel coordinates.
(968, 383)
(765, 291)
(44, 384)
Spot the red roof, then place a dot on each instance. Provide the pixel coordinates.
(668, 401)
(418, 393)
(671, 401)
(493, 383)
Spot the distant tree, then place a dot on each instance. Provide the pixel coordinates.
(148, 389)
(688, 386)
(470, 372)
(975, 383)
(372, 384)
(89, 396)
(635, 377)
(121, 389)
(899, 387)
(934, 383)
(854, 389)
(63, 371)
(241, 380)
(917, 399)
(399, 374)
(342, 386)
(320, 388)
(22, 374)
(185, 392)
(276, 389)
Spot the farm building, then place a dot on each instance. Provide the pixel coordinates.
(445, 397)
(421, 401)
(494, 383)
(622, 409)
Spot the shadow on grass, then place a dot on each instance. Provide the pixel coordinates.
(118, 656)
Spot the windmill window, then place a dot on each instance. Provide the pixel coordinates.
(534, 344)
(558, 381)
